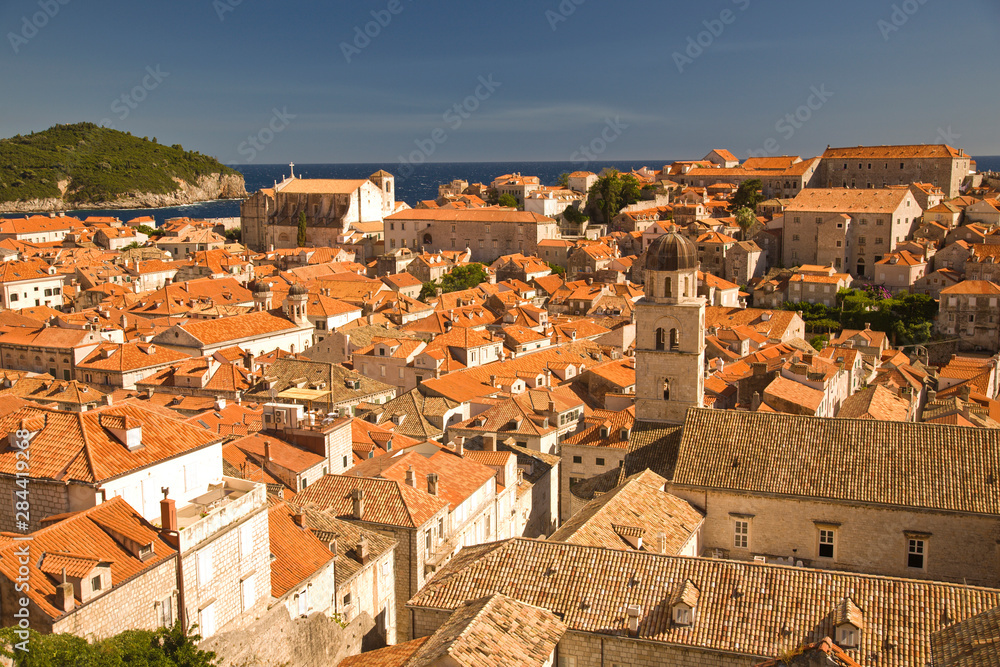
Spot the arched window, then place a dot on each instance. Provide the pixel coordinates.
(668, 288)
(666, 390)
(686, 286)
(861, 266)
(675, 340)
(661, 339)
(428, 239)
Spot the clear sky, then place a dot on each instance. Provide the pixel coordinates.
(210, 74)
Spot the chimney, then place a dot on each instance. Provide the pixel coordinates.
(490, 443)
(460, 445)
(931, 396)
(362, 550)
(755, 401)
(633, 612)
(410, 479)
(299, 519)
(432, 484)
(267, 451)
(168, 512)
(965, 392)
(358, 502)
(64, 595)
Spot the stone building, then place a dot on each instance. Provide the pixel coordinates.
(969, 310)
(886, 509)
(644, 608)
(488, 233)
(847, 229)
(670, 333)
(270, 217)
(873, 167)
(93, 574)
(80, 459)
(394, 509)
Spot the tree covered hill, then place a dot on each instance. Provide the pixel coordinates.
(85, 164)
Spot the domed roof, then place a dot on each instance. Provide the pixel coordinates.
(298, 289)
(259, 286)
(671, 252)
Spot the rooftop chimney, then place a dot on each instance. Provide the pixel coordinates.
(410, 479)
(267, 451)
(490, 443)
(299, 519)
(64, 595)
(168, 511)
(432, 484)
(362, 550)
(358, 502)
(460, 445)
(634, 611)
(755, 401)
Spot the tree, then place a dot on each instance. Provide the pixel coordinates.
(507, 200)
(612, 192)
(302, 229)
(235, 234)
(746, 220)
(460, 278)
(556, 269)
(166, 647)
(148, 231)
(574, 216)
(747, 195)
(132, 245)
(563, 181)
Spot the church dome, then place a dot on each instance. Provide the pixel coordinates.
(259, 287)
(298, 289)
(671, 252)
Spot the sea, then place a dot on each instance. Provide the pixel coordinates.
(417, 186)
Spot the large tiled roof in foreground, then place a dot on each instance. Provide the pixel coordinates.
(972, 643)
(743, 608)
(493, 631)
(861, 461)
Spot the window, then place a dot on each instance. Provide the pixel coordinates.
(915, 554)
(577, 459)
(248, 591)
(246, 540)
(826, 543)
(600, 462)
(95, 583)
(666, 390)
(347, 600)
(205, 571)
(428, 539)
(303, 599)
(206, 621)
(741, 534)
(682, 616)
(166, 612)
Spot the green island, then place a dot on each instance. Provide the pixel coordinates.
(86, 166)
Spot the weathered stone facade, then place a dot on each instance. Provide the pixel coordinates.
(882, 166)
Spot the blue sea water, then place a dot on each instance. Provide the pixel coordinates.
(420, 185)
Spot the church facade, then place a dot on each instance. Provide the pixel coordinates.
(333, 207)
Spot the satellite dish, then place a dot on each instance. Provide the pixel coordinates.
(274, 392)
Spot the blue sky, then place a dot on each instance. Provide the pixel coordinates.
(886, 72)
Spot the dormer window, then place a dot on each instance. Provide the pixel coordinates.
(684, 604)
(848, 622)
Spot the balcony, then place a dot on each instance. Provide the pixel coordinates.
(223, 506)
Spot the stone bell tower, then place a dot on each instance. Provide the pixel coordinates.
(670, 333)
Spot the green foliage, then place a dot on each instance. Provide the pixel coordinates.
(149, 231)
(574, 216)
(234, 235)
(818, 341)
(748, 195)
(563, 181)
(907, 318)
(302, 229)
(556, 269)
(460, 278)
(613, 192)
(507, 200)
(166, 647)
(746, 220)
(132, 245)
(98, 164)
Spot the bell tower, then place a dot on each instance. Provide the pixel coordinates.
(670, 333)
